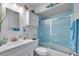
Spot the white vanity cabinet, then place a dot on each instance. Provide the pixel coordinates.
(19, 48)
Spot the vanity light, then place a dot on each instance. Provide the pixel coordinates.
(52, 5)
(21, 9)
(18, 6)
(14, 5)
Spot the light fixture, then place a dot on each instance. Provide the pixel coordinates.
(22, 6)
(14, 4)
(21, 9)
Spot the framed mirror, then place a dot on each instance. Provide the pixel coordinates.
(13, 19)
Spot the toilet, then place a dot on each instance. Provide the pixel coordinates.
(41, 51)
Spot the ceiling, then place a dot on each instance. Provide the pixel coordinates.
(33, 6)
(62, 8)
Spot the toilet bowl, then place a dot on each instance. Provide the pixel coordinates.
(41, 51)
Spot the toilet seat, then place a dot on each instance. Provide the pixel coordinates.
(41, 51)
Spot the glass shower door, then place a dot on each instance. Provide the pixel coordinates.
(60, 34)
(44, 32)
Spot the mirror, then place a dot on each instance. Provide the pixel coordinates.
(13, 20)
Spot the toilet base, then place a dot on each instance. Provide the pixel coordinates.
(40, 51)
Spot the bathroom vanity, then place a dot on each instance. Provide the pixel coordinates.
(19, 48)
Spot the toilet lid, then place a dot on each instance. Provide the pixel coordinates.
(41, 50)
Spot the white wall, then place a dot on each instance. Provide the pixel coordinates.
(33, 19)
(5, 30)
(76, 11)
(24, 20)
(31, 31)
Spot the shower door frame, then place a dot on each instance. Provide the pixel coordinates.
(68, 51)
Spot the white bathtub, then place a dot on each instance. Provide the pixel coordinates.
(19, 48)
(52, 52)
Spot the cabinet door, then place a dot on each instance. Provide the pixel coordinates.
(33, 19)
(22, 50)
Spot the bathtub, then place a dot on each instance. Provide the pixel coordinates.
(19, 48)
